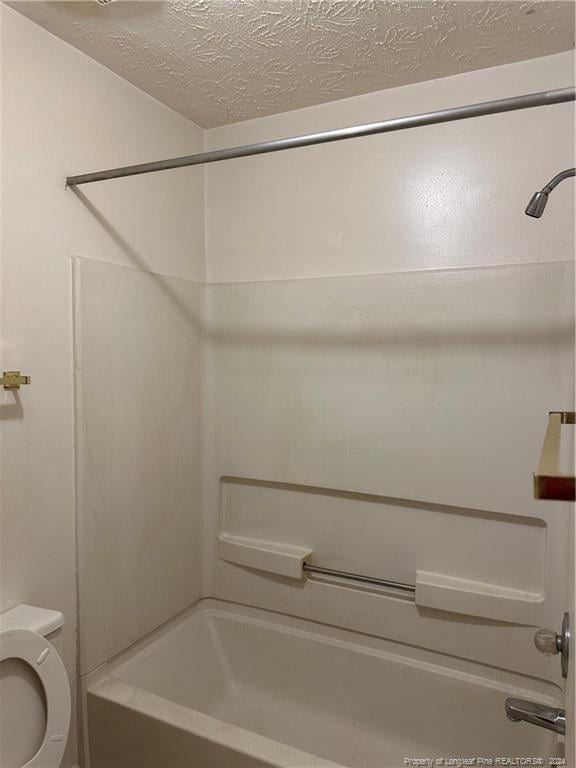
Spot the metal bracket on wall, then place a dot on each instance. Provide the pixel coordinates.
(549, 482)
(14, 380)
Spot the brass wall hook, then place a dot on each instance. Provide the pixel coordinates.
(14, 379)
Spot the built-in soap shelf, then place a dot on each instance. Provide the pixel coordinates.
(476, 598)
(282, 559)
(431, 590)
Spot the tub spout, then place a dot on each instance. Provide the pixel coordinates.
(551, 718)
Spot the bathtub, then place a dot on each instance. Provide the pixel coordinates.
(228, 686)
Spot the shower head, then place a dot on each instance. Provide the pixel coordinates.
(537, 204)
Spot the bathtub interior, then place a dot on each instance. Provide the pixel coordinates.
(353, 699)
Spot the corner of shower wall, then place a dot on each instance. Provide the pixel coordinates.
(207, 420)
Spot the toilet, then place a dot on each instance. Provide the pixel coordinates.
(34, 689)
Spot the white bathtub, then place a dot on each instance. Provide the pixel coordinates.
(231, 686)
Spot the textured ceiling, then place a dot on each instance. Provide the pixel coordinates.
(221, 61)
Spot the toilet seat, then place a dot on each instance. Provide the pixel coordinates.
(44, 659)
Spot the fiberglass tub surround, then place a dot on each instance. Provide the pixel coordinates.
(258, 688)
(242, 687)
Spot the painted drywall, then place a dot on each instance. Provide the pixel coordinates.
(450, 195)
(63, 113)
(387, 332)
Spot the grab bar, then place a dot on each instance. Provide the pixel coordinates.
(359, 577)
(549, 482)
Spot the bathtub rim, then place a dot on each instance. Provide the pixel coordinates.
(411, 655)
(241, 740)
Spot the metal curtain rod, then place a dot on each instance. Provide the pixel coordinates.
(544, 98)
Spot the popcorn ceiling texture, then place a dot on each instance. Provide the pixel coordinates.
(222, 61)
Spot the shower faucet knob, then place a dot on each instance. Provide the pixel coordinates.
(548, 641)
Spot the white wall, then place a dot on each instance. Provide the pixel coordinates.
(450, 195)
(63, 113)
(388, 331)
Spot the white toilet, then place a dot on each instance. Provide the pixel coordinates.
(34, 690)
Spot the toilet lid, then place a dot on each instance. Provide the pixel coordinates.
(44, 659)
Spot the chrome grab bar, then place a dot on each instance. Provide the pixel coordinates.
(551, 718)
(359, 577)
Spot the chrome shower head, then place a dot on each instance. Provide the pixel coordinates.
(537, 204)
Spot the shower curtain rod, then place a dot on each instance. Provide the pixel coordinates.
(541, 99)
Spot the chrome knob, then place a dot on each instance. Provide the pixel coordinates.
(550, 643)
